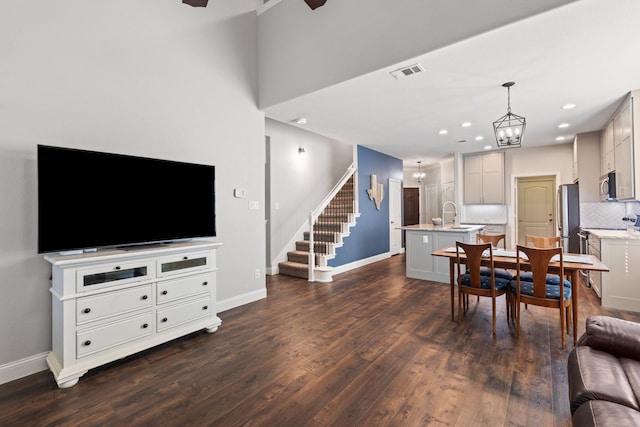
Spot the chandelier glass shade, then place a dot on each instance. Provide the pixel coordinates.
(418, 177)
(509, 129)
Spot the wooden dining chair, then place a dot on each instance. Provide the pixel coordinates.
(471, 282)
(495, 240)
(542, 242)
(538, 291)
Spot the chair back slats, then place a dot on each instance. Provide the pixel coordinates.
(494, 239)
(473, 255)
(539, 260)
(542, 242)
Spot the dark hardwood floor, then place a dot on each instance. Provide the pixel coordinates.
(372, 348)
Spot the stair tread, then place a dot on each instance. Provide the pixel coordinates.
(293, 264)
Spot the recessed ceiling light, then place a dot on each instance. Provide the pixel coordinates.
(568, 106)
(560, 138)
(479, 138)
(466, 124)
(563, 125)
(443, 132)
(487, 147)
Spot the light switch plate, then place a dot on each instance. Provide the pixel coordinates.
(239, 192)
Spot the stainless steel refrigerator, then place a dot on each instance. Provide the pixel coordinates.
(568, 217)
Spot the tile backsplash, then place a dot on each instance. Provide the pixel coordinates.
(606, 215)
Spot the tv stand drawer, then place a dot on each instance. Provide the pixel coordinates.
(113, 274)
(180, 264)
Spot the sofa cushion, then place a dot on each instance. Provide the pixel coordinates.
(616, 336)
(601, 413)
(597, 375)
(632, 370)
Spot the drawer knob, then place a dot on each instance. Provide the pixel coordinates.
(87, 342)
(87, 310)
(145, 326)
(164, 292)
(164, 319)
(205, 283)
(117, 267)
(144, 297)
(205, 307)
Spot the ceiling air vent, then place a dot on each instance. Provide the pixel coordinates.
(407, 71)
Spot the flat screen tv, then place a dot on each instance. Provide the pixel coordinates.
(89, 199)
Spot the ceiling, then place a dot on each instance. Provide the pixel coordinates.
(585, 53)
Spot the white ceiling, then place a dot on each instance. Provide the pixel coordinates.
(584, 53)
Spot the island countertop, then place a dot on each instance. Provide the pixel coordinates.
(449, 228)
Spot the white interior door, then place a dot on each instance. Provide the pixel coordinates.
(395, 221)
(536, 213)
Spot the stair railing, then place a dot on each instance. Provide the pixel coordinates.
(313, 216)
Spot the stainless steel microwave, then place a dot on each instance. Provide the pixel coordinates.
(608, 187)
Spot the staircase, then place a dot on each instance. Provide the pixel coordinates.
(329, 229)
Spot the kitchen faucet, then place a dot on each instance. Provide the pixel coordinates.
(455, 211)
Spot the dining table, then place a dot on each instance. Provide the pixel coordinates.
(507, 259)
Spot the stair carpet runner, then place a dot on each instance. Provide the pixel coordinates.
(329, 229)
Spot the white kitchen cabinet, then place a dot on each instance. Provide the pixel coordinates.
(586, 152)
(113, 303)
(484, 178)
(619, 287)
(623, 151)
(620, 130)
(606, 149)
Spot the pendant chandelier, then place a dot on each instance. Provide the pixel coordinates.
(418, 177)
(509, 129)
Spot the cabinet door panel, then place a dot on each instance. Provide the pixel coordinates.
(473, 179)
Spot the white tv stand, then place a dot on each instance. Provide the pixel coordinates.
(110, 304)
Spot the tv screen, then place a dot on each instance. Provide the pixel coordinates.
(89, 199)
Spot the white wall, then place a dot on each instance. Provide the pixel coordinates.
(154, 78)
(299, 183)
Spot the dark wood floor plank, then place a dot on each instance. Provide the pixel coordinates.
(370, 348)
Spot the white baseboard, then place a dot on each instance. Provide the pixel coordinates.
(23, 367)
(239, 300)
(360, 263)
(271, 271)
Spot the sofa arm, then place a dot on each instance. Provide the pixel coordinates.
(618, 337)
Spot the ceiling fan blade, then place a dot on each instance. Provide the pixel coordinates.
(314, 4)
(196, 3)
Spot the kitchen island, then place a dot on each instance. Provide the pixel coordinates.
(423, 239)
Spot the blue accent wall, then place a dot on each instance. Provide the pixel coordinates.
(370, 236)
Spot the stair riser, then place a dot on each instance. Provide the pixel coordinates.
(317, 237)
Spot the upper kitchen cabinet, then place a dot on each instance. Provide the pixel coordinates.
(623, 150)
(606, 149)
(586, 164)
(484, 178)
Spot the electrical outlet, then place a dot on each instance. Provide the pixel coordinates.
(425, 239)
(257, 273)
